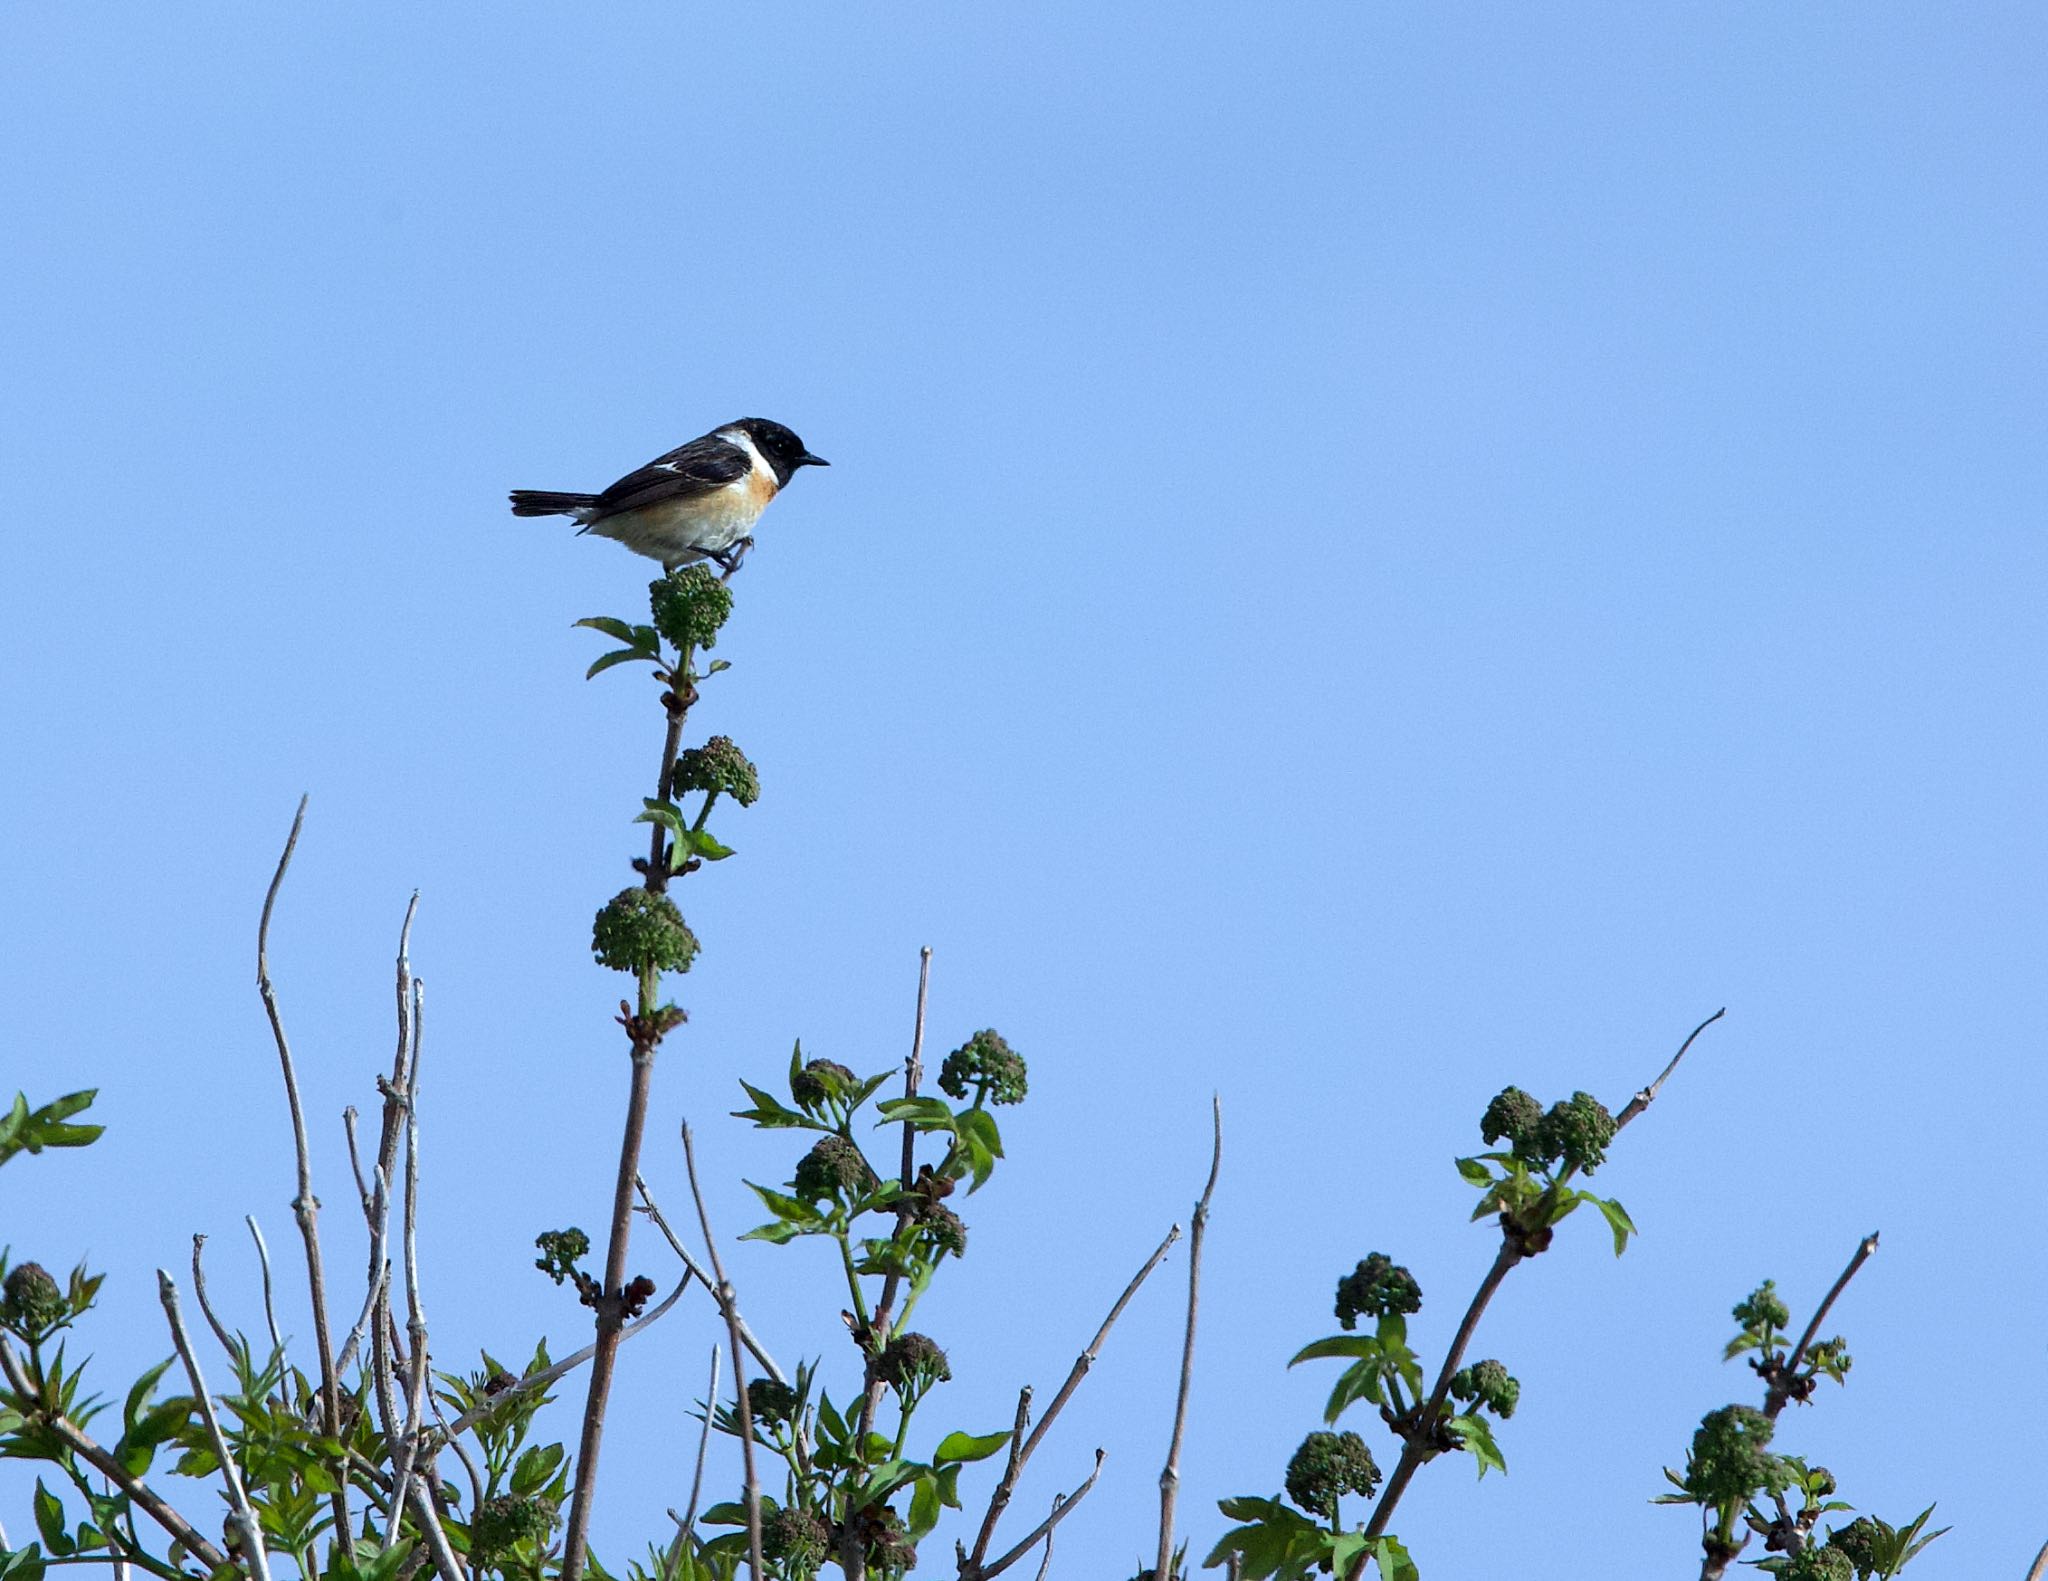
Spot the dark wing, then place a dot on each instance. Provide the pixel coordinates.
(703, 466)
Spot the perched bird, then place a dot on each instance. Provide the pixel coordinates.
(698, 502)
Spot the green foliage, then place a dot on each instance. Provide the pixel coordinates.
(1377, 1287)
(26, 1130)
(560, 1252)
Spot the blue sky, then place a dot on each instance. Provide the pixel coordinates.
(1372, 553)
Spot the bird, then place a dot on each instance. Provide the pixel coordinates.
(698, 502)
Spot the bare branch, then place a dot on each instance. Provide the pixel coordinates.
(999, 1501)
(1086, 1360)
(2039, 1567)
(561, 1369)
(263, 1258)
(220, 1332)
(1020, 1455)
(1061, 1509)
(1648, 1095)
(244, 1514)
(729, 1305)
(305, 1206)
(692, 1269)
(703, 1443)
(81, 1444)
(380, 1270)
(1780, 1389)
(1169, 1477)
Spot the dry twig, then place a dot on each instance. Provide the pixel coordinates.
(692, 1269)
(728, 1305)
(243, 1514)
(305, 1206)
(1169, 1476)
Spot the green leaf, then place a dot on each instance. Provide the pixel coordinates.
(1393, 1560)
(968, 1446)
(49, 1512)
(924, 1506)
(1478, 1437)
(926, 1114)
(1362, 1380)
(770, 1113)
(1475, 1172)
(717, 665)
(618, 656)
(1617, 1220)
(21, 1564)
(777, 1234)
(1338, 1345)
(611, 627)
(531, 1471)
(702, 843)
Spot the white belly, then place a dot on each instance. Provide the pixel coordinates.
(676, 531)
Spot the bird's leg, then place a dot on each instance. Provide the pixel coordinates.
(729, 558)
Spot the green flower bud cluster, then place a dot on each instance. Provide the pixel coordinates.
(1762, 1308)
(943, 1229)
(1858, 1543)
(1817, 1564)
(890, 1549)
(501, 1524)
(1377, 1287)
(796, 1538)
(560, 1251)
(719, 766)
(31, 1302)
(1487, 1384)
(689, 606)
(638, 930)
(911, 1363)
(819, 1080)
(1830, 1357)
(1326, 1466)
(989, 1065)
(833, 1167)
(1730, 1463)
(769, 1402)
(1574, 1132)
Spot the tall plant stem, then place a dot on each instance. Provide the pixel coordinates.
(610, 1314)
(892, 1284)
(1169, 1476)
(305, 1206)
(645, 1031)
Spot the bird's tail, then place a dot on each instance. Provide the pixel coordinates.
(546, 502)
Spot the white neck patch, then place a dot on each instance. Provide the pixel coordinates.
(740, 437)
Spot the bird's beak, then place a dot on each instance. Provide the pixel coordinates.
(809, 460)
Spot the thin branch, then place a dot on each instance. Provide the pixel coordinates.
(220, 1332)
(729, 1305)
(305, 1206)
(1648, 1095)
(80, 1443)
(263, 1258)
(999, 1501)
(1780, 1391)
(1169, 1477)
(2039, 1568)
(1061, 1509)
(355, 1158)
(892, 1283)
(1086, 1360)
(703, 1443)
(692, 1269)
(380, 1270)
(244, 1514)
(416, 1321)
(1021, 1456)
(568, 1364)
(611, 1302)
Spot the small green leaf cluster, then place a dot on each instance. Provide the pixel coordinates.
(1730, 1461)
(525, 1484)
(1275, 1543)
(640, 931)
(1875, 1550)
(1526, 1185)
(26, 1130)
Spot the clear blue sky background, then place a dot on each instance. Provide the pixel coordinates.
(1372, 552)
